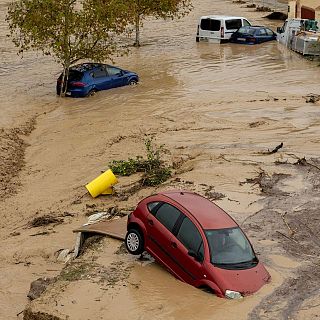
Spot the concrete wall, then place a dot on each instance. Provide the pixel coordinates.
(292, 12)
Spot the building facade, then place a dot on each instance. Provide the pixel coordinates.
(304, 9)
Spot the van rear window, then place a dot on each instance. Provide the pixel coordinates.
(210, 24)
(233, 24)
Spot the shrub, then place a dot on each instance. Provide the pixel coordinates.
(153, 167)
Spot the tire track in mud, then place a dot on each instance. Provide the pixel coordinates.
(12, 154)
(293, 219)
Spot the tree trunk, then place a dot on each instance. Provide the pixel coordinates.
(64, 82)
(137, 42)
(66, 58)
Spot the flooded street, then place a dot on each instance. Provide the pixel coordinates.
(218, 109)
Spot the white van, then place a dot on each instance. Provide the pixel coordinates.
(219, 28)
(300, 35)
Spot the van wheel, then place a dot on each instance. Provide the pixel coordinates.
(134, 242)
(197, 39)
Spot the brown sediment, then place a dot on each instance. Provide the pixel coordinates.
(12, 156)
(28, 314)
(293, 221)
(44, 221)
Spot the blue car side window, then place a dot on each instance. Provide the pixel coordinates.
(112, 71)
(269, 32)
(262, 32)
(99, 73)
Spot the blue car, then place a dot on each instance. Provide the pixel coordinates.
(87, 78)
(253, 35)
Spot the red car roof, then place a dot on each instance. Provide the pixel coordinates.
(208, 214)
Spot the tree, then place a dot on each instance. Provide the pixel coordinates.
(69, 30)
(140, 9)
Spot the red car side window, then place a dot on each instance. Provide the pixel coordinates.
(168, 215)
(153, 206)
(189, 235)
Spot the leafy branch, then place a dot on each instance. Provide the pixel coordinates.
(153, 167)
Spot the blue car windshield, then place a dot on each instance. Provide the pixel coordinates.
(229, 247)
(247, 30)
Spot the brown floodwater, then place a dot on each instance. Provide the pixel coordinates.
(199, 100)
(172, 66)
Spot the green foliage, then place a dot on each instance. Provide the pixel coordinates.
(160, 9)
(154, 170)
(127, 167)
(69, 30)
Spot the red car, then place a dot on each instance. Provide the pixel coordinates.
(197, 242)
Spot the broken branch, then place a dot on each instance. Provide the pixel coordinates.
(284, 235)
(292, 232)
(276, 148)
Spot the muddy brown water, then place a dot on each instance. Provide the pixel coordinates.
(214, 106)
(171, 65)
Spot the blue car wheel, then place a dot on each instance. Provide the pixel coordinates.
(133, 82)
(91, 92)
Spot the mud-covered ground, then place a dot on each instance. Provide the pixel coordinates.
(219, 110)
(291, 219)
(12, 149)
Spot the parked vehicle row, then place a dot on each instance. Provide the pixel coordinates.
(220, 29)
(300, 35)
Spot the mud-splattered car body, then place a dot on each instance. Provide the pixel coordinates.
(197, 242)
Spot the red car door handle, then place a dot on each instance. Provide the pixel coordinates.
(174, 245)
(150, 221)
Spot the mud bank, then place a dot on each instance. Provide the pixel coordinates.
(12, 151)
(291, 219)
(29, 315)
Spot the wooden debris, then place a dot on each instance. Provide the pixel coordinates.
(44, 220)
(312, 98)
(276, 148)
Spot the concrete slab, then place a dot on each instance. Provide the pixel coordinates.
(116, 228)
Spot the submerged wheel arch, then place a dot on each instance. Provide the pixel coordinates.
(210, 287)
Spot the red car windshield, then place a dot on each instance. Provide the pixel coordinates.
(229, 248)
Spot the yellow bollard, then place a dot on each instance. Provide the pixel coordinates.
(102, 184)
(108, 191)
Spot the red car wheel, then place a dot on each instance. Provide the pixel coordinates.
(134, 242)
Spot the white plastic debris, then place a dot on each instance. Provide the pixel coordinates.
(63, 255)
(96, 217)
(78, 244)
